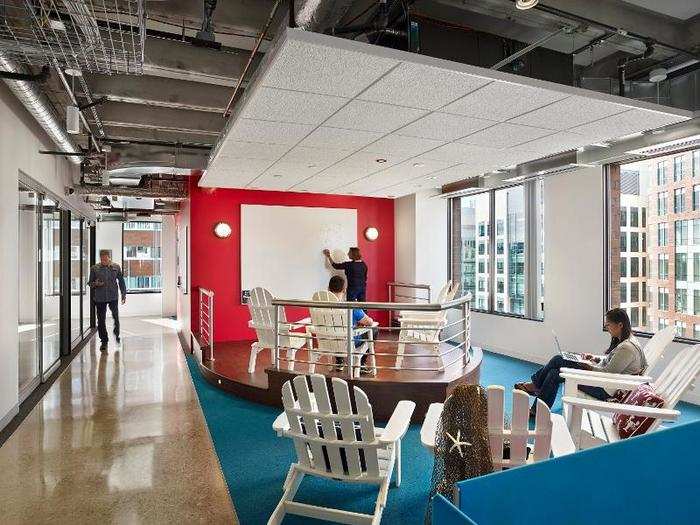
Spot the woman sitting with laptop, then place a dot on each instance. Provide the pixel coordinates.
(623, 356)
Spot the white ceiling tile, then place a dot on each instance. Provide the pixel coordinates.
(552, 144)
(319, 184)
(251, 150)
(323, 69)
(336, 138)
(505, 135)
(266, 132)
(422, 86)
(461, 153)
(235, 173)
(315, 157)
(568, 113)
(282, 105)
(445, 127)
(403, 145)
(372, 116)
(456, 173)
(626, 123)
(502, 101)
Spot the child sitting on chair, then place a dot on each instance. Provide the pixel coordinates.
(359, 319)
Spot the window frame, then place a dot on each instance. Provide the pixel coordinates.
(126, 281)
(532, 262)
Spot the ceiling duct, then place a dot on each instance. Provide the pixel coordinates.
(320, 15)
(38, 105)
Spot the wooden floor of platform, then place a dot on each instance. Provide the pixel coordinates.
(229, 372)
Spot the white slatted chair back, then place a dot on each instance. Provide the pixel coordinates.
(678, 376)
(654, 349)
(454, 290)
(444, 291)
(262, 313)
(519, 434)
(335, 443)
(329, 325)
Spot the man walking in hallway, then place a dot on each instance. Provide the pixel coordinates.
(107, 280)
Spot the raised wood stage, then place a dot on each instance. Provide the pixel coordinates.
(229, 372)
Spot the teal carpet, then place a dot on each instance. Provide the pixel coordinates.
(255, 461)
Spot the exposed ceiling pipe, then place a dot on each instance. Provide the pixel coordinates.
(532, 46)
(38, 105)
(320, 15)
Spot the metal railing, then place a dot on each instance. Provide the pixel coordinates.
(411, 292)
(442, 331)
(206, 320)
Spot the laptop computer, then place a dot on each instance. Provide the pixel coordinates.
(571, 356)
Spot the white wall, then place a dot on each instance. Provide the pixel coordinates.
(168, 266)
(109, 237)
(574, 271)
(183, 299)
(21, 138)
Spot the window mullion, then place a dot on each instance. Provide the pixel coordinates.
(492, 251)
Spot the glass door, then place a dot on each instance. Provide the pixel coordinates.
(75, 279)
(87, 263)
(28, 300)
(51, 284)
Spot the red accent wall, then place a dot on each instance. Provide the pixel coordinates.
(216, 263)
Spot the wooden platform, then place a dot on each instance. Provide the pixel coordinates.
(229, 372)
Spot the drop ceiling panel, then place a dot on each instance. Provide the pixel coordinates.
(324, 69)
(505, 135)
(445, 127)
(337, 138)
(372, 116)
(569, 112)
(322, 110)
(281, 105)
(421, 86)
(502, 101)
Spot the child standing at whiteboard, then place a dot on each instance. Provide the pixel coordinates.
(355, 273)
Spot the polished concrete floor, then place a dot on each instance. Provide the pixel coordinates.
(119, 438)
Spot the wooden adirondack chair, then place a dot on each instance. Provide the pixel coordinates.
(653, 353)
(550, 436)
(329, 330)
(262, 320)
(424, 327)
(339, 444)
(590, 421)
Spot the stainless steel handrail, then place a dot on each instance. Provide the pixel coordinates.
(206, 300)
(409, 307)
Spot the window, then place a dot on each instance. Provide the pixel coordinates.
(634, 267)
(644, 266)
(681, 233)
(663, 298)
(634, 217)
(696, 197)
(680, 328)
(644, 293)
(634, 316)
(679, 200)
(644, 217)
(644, 316)
(634, 242)
(634, 292)
(696, 302)
(482, 229)
(696, 231)
(482, 284)
(681, 267)
(663, 266)
(482, 266)
(623, 242)
(661, 200)
(644, 242)
(696, 331)
(662, 234)
(518, 263)
(677, 168)
(661, 173)
(663, 323)
(623, 292)
(681, 300)
(142, 256)
(623, 267)
(696, 163)
(623, 216)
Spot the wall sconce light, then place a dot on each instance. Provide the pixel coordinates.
(222, 230)
(371, 233)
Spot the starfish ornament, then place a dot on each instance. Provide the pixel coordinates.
(457, 442)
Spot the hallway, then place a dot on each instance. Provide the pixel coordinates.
(119, 438)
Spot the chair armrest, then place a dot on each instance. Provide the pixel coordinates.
(398, 422)
(664, 414)
(608, 383)
(430, 424)
(596, 373)
(281, 424)
(562, 444)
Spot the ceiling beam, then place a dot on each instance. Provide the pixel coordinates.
(126, 115)
(158, 135)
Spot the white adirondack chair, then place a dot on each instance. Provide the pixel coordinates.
(653, 353)
(329, 329)
(590, 421)
(550, 436)
(262, 320)
(424, 327)
(338, 444)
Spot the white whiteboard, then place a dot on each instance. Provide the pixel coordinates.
(281, 247)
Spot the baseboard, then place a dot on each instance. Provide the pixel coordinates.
(184, 342)
(9, 416)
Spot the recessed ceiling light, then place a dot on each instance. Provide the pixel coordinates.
(381, 161)
(72, 72)
(525, 4)
(432, 178)
(312, 166)
(418, 165)
(277, 175)
(57, 25)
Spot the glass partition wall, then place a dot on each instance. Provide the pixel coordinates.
(52, 242)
